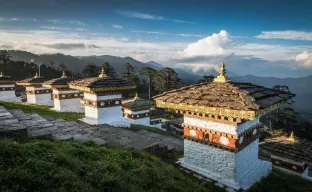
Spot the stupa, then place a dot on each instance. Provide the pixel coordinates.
(102, 99)
(65, 99)
(36, 94)
(221, 122)
(137, 110)
(7, 89)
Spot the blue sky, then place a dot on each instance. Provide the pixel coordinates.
(253, 37)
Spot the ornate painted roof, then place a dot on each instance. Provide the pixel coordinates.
(101, 83)
(138, 103)
(61, 82)
(5, 80)
(33, 81)
(300, 150)
(223, 97)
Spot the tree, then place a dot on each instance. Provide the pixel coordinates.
(129, 70)
(206, 79)
(90, 70)
(52, 64)
(151, 75)
(109, 70)
(5, 57)
(167, 79)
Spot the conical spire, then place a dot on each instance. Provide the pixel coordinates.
(136, 96)
(291, 137)
(222, 78)
(64, 75)
(36, 76)
(102, 73)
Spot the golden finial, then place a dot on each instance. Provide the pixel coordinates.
(1, 74)
(136, 96)
(36, 76)
(102, 73)
(291, 138)
(64, 75)
(222, 78)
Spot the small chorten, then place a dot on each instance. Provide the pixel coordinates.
(103, 99)
(64, 98)
(137, 110)
(221, 128)
(7, 89)
(36, 93)
(222, 77)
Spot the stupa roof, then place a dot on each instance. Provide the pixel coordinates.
(101, 83)
(4, 80)
(138, 103)
(298, 150)
(224, 97)
(33, 81)
(61, 82)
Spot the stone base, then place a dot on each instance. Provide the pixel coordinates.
(156, 126)
(259, 170)
(11, 99)
(122, 122)
(48, 103)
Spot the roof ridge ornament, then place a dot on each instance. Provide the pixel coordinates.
(36, 76)
(102, 73)
(64, 75)
(291, 138)
(136, 96)
(1, 74)
(222, 77)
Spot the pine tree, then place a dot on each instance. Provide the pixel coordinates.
(109, 70)
(129, 70)
(90, 70)
(167, 79)
(151, 75)
(5, 57)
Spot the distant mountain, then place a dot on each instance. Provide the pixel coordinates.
(76, 64)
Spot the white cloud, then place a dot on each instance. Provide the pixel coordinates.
(214, 45)
(289, 34)
(117, 26)
(13, 19)
(71, 22)
(305, 59)
(149, 16)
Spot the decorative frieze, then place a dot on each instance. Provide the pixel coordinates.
(154, 122)
(228, 141)
(211, 117)
(61, 96)
(103, 103)
(137, 116)
(7, 88)
(36, 92)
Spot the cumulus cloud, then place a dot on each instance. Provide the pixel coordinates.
(146, 16)
(69, 45)
(288, 34)
(305, 59)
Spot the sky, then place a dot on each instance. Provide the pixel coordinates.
(263, 38)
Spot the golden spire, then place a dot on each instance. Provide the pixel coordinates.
(36, 76)
(291, 138)
(64, 75)
(222, 78)
(102, 73)
(1, 74)
(136, 96)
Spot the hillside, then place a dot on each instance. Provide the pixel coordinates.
(76, 64)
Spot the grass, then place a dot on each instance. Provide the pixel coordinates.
(43, 165)
(42, 110)
(154, 130)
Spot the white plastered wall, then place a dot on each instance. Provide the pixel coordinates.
(8, 95)
(67, 105)
(39, 99)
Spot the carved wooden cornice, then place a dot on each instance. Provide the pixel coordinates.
(37, 92)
